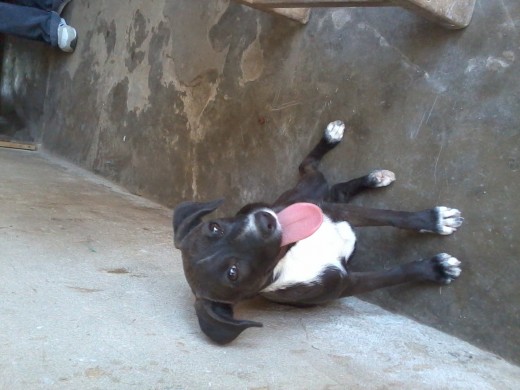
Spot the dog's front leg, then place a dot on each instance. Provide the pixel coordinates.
(440, 220)
(442, 269)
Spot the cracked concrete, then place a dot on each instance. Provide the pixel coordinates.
(184, 99)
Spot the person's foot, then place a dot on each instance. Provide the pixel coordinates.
(67, 37)
(59, 5)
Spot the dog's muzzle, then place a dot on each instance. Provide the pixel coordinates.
(266, 223)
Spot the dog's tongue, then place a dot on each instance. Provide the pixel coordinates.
(299, 221)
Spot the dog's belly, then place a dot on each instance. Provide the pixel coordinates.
(329, 247)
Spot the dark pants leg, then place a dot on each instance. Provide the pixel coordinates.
(46, 5)
(30, 20)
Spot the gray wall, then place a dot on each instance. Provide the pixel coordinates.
(198, 100)
(23, 85)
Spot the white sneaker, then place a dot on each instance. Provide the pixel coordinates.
(67, 37)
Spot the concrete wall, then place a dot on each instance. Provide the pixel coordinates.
(23, 85)
(196, 100)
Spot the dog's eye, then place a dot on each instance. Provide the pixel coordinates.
(215, 229)
(232, 273)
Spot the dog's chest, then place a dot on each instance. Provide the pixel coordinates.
(307, 259)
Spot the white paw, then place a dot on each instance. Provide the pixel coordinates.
(381, 178)
(448, 220)
(448, 268)
(334, 131)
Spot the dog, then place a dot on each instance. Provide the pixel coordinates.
(296, 250)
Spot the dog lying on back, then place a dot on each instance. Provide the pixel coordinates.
(295, 251)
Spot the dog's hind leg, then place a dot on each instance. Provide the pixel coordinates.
(344, 192)
(441, 268)
(312, 185)
(332, 136)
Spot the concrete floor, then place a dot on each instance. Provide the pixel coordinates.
(185, 99)
(92, 296)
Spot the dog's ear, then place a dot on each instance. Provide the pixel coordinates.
(187, 215)
(217, 322)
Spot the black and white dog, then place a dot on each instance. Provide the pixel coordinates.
(296, 250)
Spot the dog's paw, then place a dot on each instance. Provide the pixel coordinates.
(381, 178)
(334, 132)
(448, 220)
(444, 268)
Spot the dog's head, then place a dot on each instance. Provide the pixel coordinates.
(226, 260)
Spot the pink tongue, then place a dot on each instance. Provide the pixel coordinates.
(299, 221)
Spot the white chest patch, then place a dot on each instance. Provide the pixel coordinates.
(306, 260)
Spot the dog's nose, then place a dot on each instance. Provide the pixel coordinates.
(266, 222)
